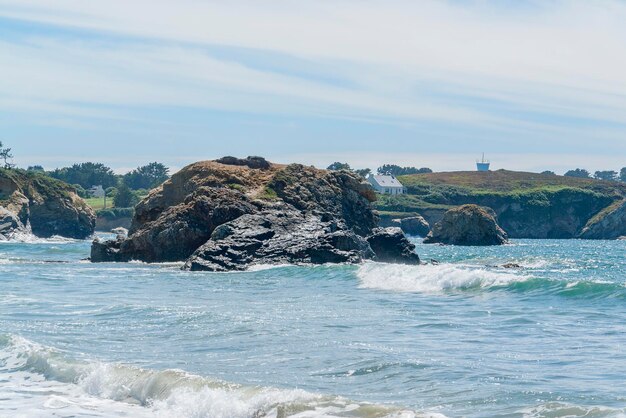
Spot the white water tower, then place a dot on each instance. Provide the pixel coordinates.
(482, 165)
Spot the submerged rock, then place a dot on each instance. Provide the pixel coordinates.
(232, 213)
(511, 266)
(467, 225)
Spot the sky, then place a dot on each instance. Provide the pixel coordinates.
(536, 85)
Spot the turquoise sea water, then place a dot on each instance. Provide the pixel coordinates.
(462, 338)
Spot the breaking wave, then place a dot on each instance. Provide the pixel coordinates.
(53, 380)
(451, 278)
(432, 279)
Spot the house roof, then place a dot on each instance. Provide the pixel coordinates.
(386, 181)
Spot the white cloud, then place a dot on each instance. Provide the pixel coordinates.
(471, 64)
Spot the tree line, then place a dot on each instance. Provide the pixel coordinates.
(385, 169)
(609, 175)
(125, 190)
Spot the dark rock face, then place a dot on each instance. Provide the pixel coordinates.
(340, 194)
(109, 251)
(467, 225)
(251, 162)
(415, 225)
(222, 217)
(48, 206)
(181, 229)
(391, 246)
(277, 236)
(608, 224)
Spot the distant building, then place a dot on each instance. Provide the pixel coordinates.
(386, 184)
(482, 165)
(96, 191)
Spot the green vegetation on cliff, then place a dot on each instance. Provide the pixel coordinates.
(48, 206)
(527, 204)
(34, 184)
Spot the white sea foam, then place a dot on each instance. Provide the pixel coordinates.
(36, 380)
(432, 279)
(27, 237)
(559, 409)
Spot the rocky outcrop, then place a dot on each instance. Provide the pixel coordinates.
(467, 225)
(45, 206)
(608, 224)
(278, 236)
(228, 215)
(391, 246)
(415, 225)
(250, 162)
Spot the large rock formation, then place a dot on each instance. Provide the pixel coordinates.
(608, 224)
(232, 213)
(45, 206)
(467, 225)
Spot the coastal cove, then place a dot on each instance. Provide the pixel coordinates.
(462, 338)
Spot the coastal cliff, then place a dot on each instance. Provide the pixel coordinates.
(527, 205)
(231, 213)
(31, 202)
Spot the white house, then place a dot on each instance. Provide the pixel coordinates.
(386, 184)
(96, 191)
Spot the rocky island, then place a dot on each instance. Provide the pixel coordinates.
(232, 213)
(467, 225)
(31, 202)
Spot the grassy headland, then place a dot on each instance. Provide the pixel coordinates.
(528, 204)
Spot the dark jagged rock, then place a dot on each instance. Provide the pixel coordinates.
(391, 246)
(415, 225)
(48, 206)
(251, 162)
(511, 266)
(278, 236)
(108, 251)
(180, 230)
(222, 217)
(340, 194)
(467, 225)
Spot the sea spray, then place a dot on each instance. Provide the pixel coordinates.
(165, 393)
(433, 279)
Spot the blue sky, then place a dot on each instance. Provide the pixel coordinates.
(536, 85)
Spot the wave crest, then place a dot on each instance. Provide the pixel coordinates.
(166, 393)
(432, 279)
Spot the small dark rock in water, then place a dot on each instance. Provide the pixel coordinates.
(434, 262)
(511, 266)
(391, 246)
(467, 225)
(103, 251)
(415, 225)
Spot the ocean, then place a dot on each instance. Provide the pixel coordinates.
(463, 338)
